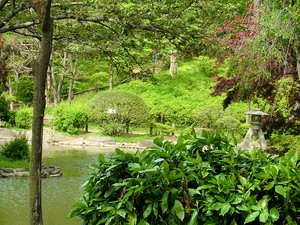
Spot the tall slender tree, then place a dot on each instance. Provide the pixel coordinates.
(40, 67)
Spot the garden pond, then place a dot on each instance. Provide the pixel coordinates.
(58, 193)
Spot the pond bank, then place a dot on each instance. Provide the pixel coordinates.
(90, 142)
(49, 171)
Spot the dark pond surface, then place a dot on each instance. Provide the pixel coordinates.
(58, 193)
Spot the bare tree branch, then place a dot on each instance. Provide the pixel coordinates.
(18, 26)
(12, 14)
(3, 3)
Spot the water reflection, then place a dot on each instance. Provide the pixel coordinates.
(58, 193)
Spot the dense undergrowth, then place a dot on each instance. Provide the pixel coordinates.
(15, 153)
(198, 180)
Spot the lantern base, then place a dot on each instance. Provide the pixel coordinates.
(261, 138)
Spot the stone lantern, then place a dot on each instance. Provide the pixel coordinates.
(256, 124)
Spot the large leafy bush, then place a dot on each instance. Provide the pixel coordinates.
(70, 119)
(198, 180)
(17, 148)
(119, 107)
(21, 118)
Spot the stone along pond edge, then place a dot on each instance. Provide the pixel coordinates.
(47, 171)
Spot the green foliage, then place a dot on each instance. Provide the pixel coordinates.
(284, 143)
(17, 148)
(70, 119)
(22, 118)
(198, 180)
(176, 99)
(119, 107)
(228, 124)
(8, 163)
(207, 116)
(163, 129)
(4, 109)
(113, 129)
(24, 89)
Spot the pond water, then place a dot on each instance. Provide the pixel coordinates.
(58, 193)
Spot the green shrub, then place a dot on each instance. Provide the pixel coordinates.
(70, 120)
(163, 129)
(198, 180)
(4, 109)
(228, 124)
(16, 149)
(23, 118)
(119, 107)
(24, 89)
(284, 143)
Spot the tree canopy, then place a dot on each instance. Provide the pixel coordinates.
(265, 69)
(121, 107)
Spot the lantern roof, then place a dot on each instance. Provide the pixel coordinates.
(257, 112)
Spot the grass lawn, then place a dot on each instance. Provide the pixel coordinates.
(7, 163)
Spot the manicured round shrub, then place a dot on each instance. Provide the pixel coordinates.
(119, 107)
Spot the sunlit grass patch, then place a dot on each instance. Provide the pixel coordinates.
(7, 163)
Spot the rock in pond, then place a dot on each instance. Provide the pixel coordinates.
(47, 171)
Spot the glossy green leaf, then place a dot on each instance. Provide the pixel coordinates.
(143, 222)
(164, 202)
(132, 218)
(273, 171)
(106, 209)
(270, 185)
(101, 158)
(165, 167)
(216, 206)
(244, 182)
(194, 219)
(178, 209)
(122, 213)
(109, 220)
(274, 214)
(155, 209)
(242, 207)
(236, 200)
(119, 152)
(281, 190)
(220, 198)
(158, 142)
(148, 211)
(225, 208)
(263, 217)
(251, 217)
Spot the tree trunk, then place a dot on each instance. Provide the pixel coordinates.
(10, 91)
(62, 77)
(173, 63)
(54, 86)
(297, 50)
(40, 68)
(71, 92)
(48, 88)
